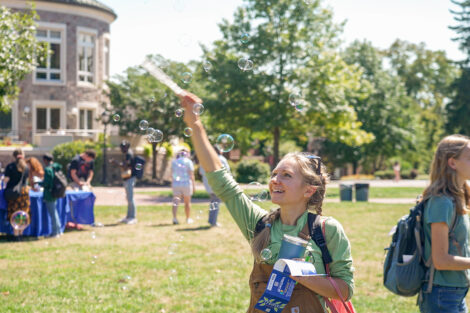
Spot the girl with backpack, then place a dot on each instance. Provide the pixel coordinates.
(297, 184)
(448, 198)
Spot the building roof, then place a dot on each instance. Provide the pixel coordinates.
(87, 3)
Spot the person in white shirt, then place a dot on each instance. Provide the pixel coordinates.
(183, 183)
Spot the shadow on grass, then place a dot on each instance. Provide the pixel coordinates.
(10, 238)
(162, 225)
(196, 228)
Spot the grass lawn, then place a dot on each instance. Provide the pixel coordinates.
(184, 268)
(333, 192)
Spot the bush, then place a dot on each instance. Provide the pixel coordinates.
(65, 152)
(388, 174)
(248, 171)
(410, 174)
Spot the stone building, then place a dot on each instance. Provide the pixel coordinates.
(61, 100)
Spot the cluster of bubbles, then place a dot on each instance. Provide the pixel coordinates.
(153, 135)
(256, 192)
(19, 220)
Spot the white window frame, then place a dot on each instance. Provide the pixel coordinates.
(94, 33)
(49, 104)
(87, 106)
(106, 56)
(62, 28)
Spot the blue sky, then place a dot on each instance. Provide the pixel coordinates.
(174, 28)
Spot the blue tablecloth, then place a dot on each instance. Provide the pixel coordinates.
(76, 206)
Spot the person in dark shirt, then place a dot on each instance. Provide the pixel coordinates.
(129, 178)
(81, 170)
(17, 172)
(50, 168)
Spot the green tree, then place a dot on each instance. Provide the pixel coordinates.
(458, 109)
(137, 96)
(19, 50)
(386, 112)
(292, 46)
(428, 77)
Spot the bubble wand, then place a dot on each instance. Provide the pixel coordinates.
(156, 72)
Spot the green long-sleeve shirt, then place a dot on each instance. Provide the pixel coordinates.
(247, 214)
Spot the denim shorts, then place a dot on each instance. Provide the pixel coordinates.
(444, 299)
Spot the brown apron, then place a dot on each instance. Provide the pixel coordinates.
(303, 300)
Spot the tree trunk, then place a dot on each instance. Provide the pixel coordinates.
(154, 160)
(276, 135)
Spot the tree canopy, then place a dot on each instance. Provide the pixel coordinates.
(19, 50)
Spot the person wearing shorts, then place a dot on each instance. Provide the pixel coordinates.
(183, 183)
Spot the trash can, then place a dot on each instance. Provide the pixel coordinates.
(362, 192)
(345, 192)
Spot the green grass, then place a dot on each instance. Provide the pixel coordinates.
(208, 271)
(332, 192)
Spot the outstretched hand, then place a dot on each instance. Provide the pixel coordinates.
(188, 100)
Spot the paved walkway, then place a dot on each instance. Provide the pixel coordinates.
(117, 195)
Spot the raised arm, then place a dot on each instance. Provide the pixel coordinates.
(206, 154)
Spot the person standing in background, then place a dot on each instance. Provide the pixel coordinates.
(81, 170)
(214, 200)
(36, 172)
(183, 183)
(396, 170)
(129, 181)
(51, 202)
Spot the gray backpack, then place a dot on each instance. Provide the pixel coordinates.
(405, 269)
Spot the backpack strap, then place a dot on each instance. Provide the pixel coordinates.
(261, 224)
(317, 236)
(429, 262)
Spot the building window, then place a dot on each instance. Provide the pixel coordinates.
(86, 119)
(47, 118)
(51, 68)
(86, 57)
(106, 58)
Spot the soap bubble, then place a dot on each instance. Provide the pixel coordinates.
(19, 220)
(179, 112)
(266, 254)
(188, 131)
(300, 106)
(116, 117)
(124, 288)
(138, 167)
(294, 98)
(225, 143)
(172, 248)
(186, 77)
(150, 131)
(93, 235)
(244, 38)
(256, 193)
(207, 65)
(157, 135)
(245, 64)
(143, 125)
(151, 100)
(308, 1)
(198, 109)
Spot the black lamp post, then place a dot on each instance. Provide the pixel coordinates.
(105, 119)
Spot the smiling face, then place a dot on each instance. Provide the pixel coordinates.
(462, 165)
(287, 186)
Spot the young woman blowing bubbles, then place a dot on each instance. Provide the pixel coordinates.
(448, 197)
(296, 185)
